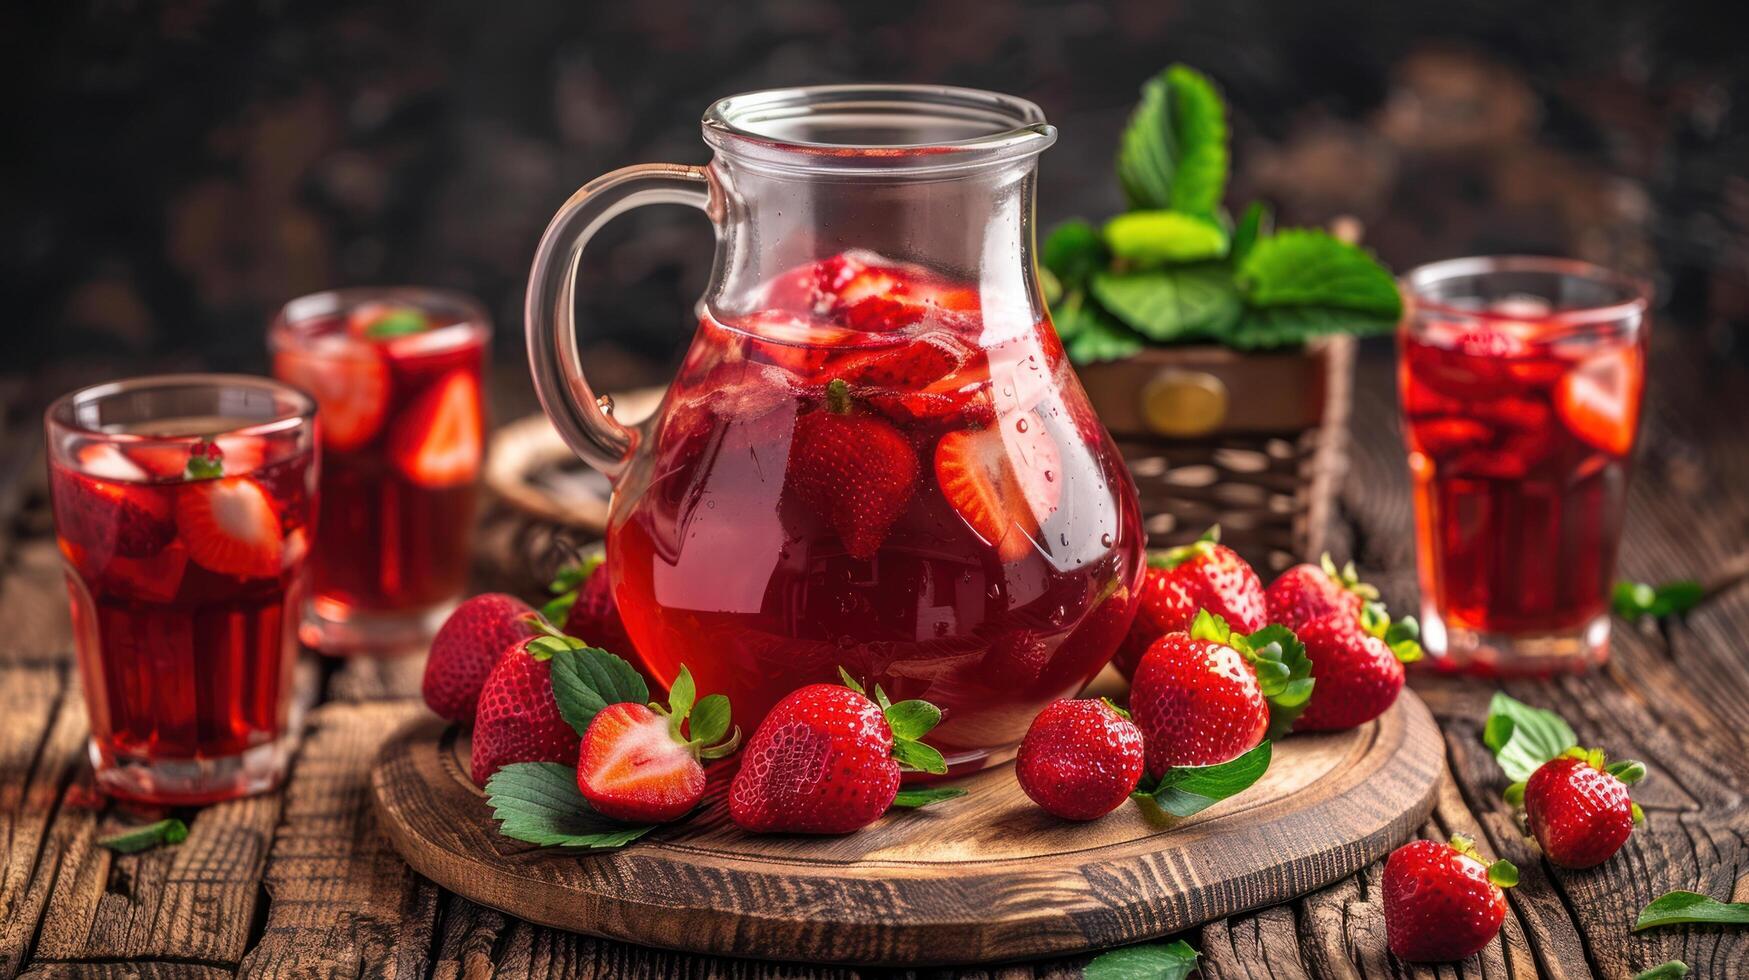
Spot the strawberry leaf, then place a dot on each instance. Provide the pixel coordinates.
(1164, 237)
(911, 720)
(538, 802)
(1173, 153)
(918, 757)
(916, 799)
(1684, 908)
(144, 838)
(1673, 970)
(1151, 961)
(548, 647)
(1522, 737)
(849, 681)
(1184, 790)
(588, 679)
(710, 720)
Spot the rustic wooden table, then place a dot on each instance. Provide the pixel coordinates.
(300, 881)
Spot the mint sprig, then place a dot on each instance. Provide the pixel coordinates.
(1522, 738)
(1149, 961)
(145, 837)
(1176, 269)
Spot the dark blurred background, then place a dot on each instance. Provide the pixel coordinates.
(175, 171)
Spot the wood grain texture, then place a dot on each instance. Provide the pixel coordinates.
(985, 878)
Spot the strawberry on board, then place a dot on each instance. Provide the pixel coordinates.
(1441, 902)
(466, 648)
(1306, 592)
(1578, 808)
(644, 763)
(1600, 399)
(853, 469)
(436, 441)
(1080, 759)
(1005, 481)
(230, 526)
(351, 391)
(827, 760)
(518, 718)
(1357, 652)
(1209, 695)
(1179, 583)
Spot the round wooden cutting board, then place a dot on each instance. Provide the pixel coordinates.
(981, 878)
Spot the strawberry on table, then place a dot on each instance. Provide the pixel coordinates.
(827, 760)
(436, 441)
(644, 763)
(1209, 695)
(1578, 808)
(1441, 902)
(1080, 759)
(518, 719)
(1359, 674)
(1182, 581)
(467, 647)
(852, 469)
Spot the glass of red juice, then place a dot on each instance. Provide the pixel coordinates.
(184, 508)
(397, 374)
(1521, 380)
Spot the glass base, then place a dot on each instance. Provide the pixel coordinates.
(192, 782)
(335, 628)
(1456, 649)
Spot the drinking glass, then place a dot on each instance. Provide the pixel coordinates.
(397, 374)
(1521, 381)
(183, 508)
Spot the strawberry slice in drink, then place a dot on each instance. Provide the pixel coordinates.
(351, 391)
(113, 517)
(230, 527)
(437, 440)
(1600, 400)
(1003, 481)
(883, 298)
(240, 454)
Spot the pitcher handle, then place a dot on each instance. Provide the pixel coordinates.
(585, 421)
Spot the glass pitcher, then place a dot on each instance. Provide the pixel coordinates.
(875, 455)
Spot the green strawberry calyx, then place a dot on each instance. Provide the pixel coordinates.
(1502, 873)
(1347, 578)
(709, 716)
(838, 396)
(909, 721)
(567, 585)
(1284, 672)
(1403, 636)
(1200, 548)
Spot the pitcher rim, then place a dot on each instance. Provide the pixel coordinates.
(1000, 128)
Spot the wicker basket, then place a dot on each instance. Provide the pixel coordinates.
(1253, 442)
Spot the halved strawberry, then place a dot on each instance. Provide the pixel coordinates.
(351, 391)
(437, 440)
(643, 762)
(1600, 400)
(1002, 480)
(230, 527)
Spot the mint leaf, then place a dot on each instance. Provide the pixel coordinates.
(1191, 302)
(538, 802)
(1255, 223)
(146, 837)
(1160, 237)
(1682, 908)
(1307, 267)
(1072, 252)
(589, 679)
(1089, 334)
(914, 799)
(710, 720)
(1173, 153)
(1633, 600)
(911, 720)
(1152, 961)
(398, 323)
(1673, 970)
(1522, 737)
(1287, 326)
(1184, 790)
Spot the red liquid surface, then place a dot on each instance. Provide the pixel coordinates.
(180, 660)
(402, 429)
(721, 563)
(1519, 451)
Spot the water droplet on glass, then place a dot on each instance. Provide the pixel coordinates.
(1050, 476)
(1063, 539)
(1020, 425)
(1105, 540)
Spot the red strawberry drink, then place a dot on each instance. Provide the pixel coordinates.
(1521, 382)
(876, 471)
(184, 508)
(397, 376)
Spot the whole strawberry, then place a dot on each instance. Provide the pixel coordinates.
(1209, 695)
(1181, 582)
(1441, 902)
(827, 759)
(467, 647)
(1307, 592)
(853, 469)
(518, 720)
(1577, 805)
(1358, 673)
(644, 764)
(1080, 759)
